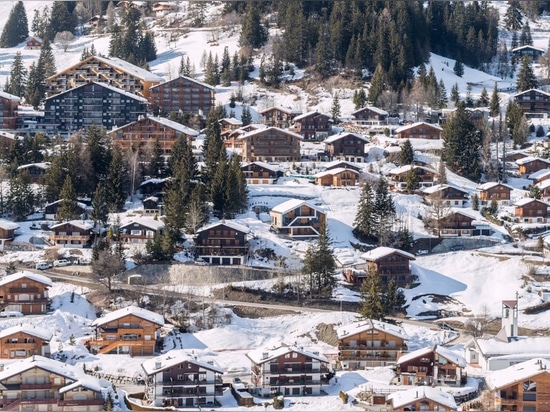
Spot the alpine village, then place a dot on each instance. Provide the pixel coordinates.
(300, 205)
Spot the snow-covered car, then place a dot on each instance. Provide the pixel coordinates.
(61, 262)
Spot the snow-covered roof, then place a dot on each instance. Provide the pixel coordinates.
(291, 205)
(232, 120)
(406, 168)
(544, 184)
(155, 181)
(447, 353)
(339, 136)
(40, 165)
(538, 174)
(165, 122)
(259, 356)
(437, 395)
(335, 171)
(526, 200)
(188, 78)
(382, 251)
(9, 96)
(175, 357)
(416, 124)
(282, 109)
(533, 345)
(8, 225)
(228, 223)
(372, 109)
(517, 373)
(146, 221)
(437, 188)
(368, 324)
(107, 86)
(532, 90)
(311, 113)
(9, 135)
(28, 275)
(529, 159)
(490, 185)
(344, 163)
(528, 47)
(82, 224)
(273, 168)
(258, 131)
(29, 330)
(130, 310)
(71, 372)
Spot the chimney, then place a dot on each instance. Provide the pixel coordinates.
(158, 364)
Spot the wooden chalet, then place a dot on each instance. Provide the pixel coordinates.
(153, 206)
(230, 124)
(51, 209)
(74, 233)
(370, 343)
(478, 115)
(533, 102)
(183, 94)
(280, 117)
(141, 229)
(388, 263)
(528, 210)
(529, 165)
(434, 365)
(25, 292)
(426, 176)
(181, 379)
(423, 398)
(514, 155)
(337, 177)
(96, 20)
(7, 230)
(144, 133)
(544, 188)
(540, 176)
(232, 137)
(524, 386)
(419, 130)
(312, 125)
(527, 50)
(112, 71)
(9, 105)
(36, 171)
(460, 223)
(38, 383)
(130, 330)
(92, 103)
(288, 371)
(22, 341)
(337, 164)
(449, 195)
(270, 145)
(494, 191)
(153, 186)
(164, 6)
(261, 173)
(346, 146)
(370, 116)
(33, 43)
(222, 243)
(297, 219)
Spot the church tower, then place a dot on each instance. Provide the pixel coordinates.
(510, 318)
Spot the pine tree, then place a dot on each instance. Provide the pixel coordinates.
(461, 145)
(16, 28)
(377, 85)
(525, 38)
(441, 173)
(155, 168)
(60, 20)
(406, 156)
(412, 181)
(458, 68)
(116, 192)
(246, 116)
(18, 76)
(253, 33)
(526, 77)
(443, 99)
(455, 96)
(335, 109)
(34, 87)
(213, 149)
(359, 98)
(384, 211)
(100, 212)
(371, 305)
(320, 265)
(483, 98)
(20, 197)
(512, 17)
(363, 225)
(494, 104)
(68, 209)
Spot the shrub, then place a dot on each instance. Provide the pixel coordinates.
(344, 396)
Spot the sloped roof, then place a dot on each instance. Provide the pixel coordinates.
(146, 221)
(416, 124)
(29, 330)
(437, 188)
(273, 168)
(517, 346)
(8, 225)
(28, 275)
(260, 131)
(130, 310)
(368, 324)
(382, 251)
(490, 185)
(527, 46)
(175, 357)
(228, 223)
(163, 121)
(517, 373)
(335, 171)
(40, 165)
(232, 120)
(187, 78)
(282, 109)
(339, 136)
(312, 113)
(291, 205)
(538, 174)
(371, 108)
(105, 85)
(406, 168)
(82, 224)
(530, 159)
(260, 356)
(9, 96)
(437, 395)
(526, 200)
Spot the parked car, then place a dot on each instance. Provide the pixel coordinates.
(61, 262)
(43, 265)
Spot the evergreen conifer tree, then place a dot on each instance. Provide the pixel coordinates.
(526, 77)
(494, 104)
(320, 265)
(441, 173)
(60, 20)
(99, 213)
(20, 196)
(458, 68)
(68, 209)
(384, 211)
(513, 17)
(377, 85)
(116, 192)
(412, 181)
(18, 76)
(483, 98)
(335, 109)
(371, 305)
(246, 116)
(363, 225)
(16, 28)
(406, 156)
(455, 96)
(253, 33)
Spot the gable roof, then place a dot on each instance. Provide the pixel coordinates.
(273, 168)
(406, 168)
(339, 136)
(448, 354)
(403, 398)
(291, 205)
(436, 188)
(8, 96)
(282, 109)
(368, 324)
(130, 310)
(8, 225)
(308, 114)
(147, 221)
(526, 200)
(528, 47)
(372, 109)
(162, 121)
(228, 223)
(383, 251)
(265, 129)
(106, 86)
(40, 165)
(490, 185)
(260, 356)
(175, 357)
(81, 224)
(517, 373)
(29, 330)
(416, 124)
(539, 174)
(335, 171)
(187, 78)
(531, 159)
(492, 347)
(26, 274)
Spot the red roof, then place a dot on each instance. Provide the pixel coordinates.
(510, 303)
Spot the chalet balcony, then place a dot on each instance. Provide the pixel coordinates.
(295, 369)
(392, 357)
(202, 382)
(68, 238)
(297, 382)
(35, 386)
(33, 290)
(84, 402)
(366, 345)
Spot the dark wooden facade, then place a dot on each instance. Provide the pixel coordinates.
(494, 191)
(141, 230)
(297, 219)
(533, 102)
(20, 342)
(312, 125)
(260, 173)
(450, 196)
(419, 130)
(72, 234)
(528, 165)
(270, 145)
(25, 292)
(457, 224)
(8, 110)
(337, 178)
(529, 210)
(183, 94)
(370, 116)
(222, 244)
(345, 146)
(279, 117)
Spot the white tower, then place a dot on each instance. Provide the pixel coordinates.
(510, 318)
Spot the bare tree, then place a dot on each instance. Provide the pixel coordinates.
(438, 212)
(64, 39)
(107, 266)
